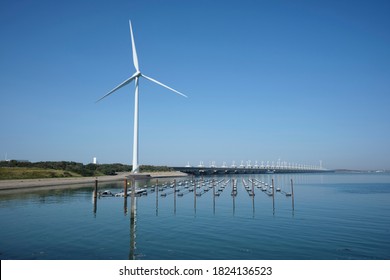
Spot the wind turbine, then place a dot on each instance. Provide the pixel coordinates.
(136, 77)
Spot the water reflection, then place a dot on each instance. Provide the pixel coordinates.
(94, 203)
(343, 211)
(133, 218)
(125, 210)
(133, 223)
(256, 189)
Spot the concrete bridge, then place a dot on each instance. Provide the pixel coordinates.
(245, 170)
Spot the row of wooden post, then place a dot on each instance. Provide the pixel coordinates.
(95, 194)
(125, 187)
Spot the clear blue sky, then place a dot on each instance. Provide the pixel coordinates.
(302, 81)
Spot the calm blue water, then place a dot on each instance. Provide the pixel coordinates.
(335, 216)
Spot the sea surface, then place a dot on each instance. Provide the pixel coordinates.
(327, 217)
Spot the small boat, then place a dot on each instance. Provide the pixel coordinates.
(137, 191)
(106, 193)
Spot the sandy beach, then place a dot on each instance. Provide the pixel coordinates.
(6, 185)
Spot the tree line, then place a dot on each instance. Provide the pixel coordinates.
(84, 170)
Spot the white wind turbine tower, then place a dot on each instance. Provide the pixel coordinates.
(136, 77)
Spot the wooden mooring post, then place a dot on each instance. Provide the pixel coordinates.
(195, 186)
(156, 190)
(292, 194)
(174, 196)
(234, 193)
(273, 197)
(253, 198)
(95, 192)
(95, 195)
(213, 196)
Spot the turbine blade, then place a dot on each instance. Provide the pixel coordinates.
(120, 86)
(135, 57)
(161, 84)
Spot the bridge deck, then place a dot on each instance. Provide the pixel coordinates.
(239, 170)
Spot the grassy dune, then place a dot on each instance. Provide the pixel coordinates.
(8, 173)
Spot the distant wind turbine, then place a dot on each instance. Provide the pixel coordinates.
(136, 77)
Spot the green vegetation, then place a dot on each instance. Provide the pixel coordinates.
(152, 168)
(7, 173)
(58, 169)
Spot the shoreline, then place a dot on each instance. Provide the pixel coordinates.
(23, 184)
